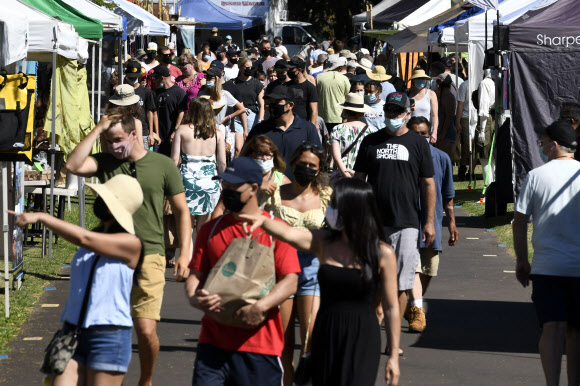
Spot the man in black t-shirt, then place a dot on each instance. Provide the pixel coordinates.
(305, 94)
(148, 108)
(215, 40)
(281, 67)
(171, 103)
(398, 165)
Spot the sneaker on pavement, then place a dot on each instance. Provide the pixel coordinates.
(407, 314)
(417, 322)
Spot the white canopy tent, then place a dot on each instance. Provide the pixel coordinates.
(111, 21)
(380, 7)
(156, 26)
(135, 24)
(13, 37)
(426, 12)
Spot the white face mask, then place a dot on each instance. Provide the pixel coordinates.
(266, 165)
(332, 218)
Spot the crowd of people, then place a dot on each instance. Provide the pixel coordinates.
(325, 158)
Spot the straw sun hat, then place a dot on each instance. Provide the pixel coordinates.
(355, 102)
(123, 196)
(419, 74)
(379, 74)
(215, 106)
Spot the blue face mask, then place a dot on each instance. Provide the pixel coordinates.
(207, 57)
(420, 83)
(544, 157)
(370, 99)
(210, 84)
(393, 125)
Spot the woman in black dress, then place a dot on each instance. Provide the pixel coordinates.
(355, 262)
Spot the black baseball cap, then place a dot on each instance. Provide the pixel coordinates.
(298, 63)
(241, 170)
(232, 52)
(214, 72)
(133, 69)
(220, 49)
(281, 92)
(398, 99)
(561, 132)
(252, 51)
(218, 64)
(161, 71)
(282, 65)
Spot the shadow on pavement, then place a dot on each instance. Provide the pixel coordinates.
(473, 325)
(180, 321)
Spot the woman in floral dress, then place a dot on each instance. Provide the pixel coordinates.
(203, 155)
(345, 134)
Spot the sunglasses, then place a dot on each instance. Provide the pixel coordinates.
(312, 147)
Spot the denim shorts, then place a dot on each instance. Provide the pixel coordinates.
(308, 279)
(252, 118)
(104, 349)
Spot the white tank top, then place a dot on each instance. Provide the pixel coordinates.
(423, 106)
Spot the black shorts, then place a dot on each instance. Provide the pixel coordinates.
(214, 366)
(557, 299)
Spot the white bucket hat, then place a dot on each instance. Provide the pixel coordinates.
(123, 196)
(124, 96)
(365, 64)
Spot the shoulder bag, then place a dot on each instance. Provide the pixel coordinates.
(64, 343)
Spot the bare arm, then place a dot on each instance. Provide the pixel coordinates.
(183, 222)
(390, 302)
(458, 116)
(123, 246)
(434, 115)
(428, 191)
(261, 105)
(139, 130)
(450, 213)
(520, 231)
(150, 120)
(179, 119)
(314, 115)
(221, 152)
(79, 162)
(197, 296)
(335, 148)
(156, 126)
(176, 146)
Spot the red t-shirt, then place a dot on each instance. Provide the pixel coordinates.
(174, 71)
(269, 337)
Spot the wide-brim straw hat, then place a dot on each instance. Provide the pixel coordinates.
(355, 102)
(217, 107)
(379, 74)
(123, 196)
(419, 74)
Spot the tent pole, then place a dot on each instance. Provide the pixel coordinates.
(6, 238)
(120, 61)
(243, 40)
(456, 64)
(100, 80)
(52, 150)
(93, 83)
(485, 51)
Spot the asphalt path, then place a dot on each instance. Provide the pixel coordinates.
(481, 326)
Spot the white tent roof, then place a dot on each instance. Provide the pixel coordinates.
(13, 37)
(426, 12)
(380, 7)
(156, 26)
(473, 29)
(42, 30)
(111, 21)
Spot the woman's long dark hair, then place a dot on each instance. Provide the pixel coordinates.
(357, 211)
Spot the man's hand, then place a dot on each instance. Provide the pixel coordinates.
(392, 372)
(181, 269)
(206, 301)
(523, 269)
(428, 234)
(269, 187)
(251, 315)
(453, 234)
(23, 219)
(105, 122)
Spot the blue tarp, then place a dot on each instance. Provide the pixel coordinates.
(204, 11)
(465, 15)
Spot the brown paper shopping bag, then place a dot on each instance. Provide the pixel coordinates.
(244, 274)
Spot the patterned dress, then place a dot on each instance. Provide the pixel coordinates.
(345, 135)
(201, 192)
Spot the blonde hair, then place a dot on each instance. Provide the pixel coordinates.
(200, 115)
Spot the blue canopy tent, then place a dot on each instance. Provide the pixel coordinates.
(205, 11)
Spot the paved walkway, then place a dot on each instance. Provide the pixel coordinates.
(481, 326)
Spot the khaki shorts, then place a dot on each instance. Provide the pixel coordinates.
(146, 297)
(429, 263)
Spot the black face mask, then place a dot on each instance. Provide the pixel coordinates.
(304, 175)
(166, 58)
(232, 200)
(248, 72)
(276, 110)
(151, 54)
(265, 52)
(234, 61)
(101, 210)
(292, 75)
(282, 77)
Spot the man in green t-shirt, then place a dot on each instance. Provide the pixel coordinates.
(159, 178)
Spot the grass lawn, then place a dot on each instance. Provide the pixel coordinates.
(469, 202)
(39, 272)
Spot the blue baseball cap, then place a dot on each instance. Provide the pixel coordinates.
(229, 37)
(242, 170)
(218, 64)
